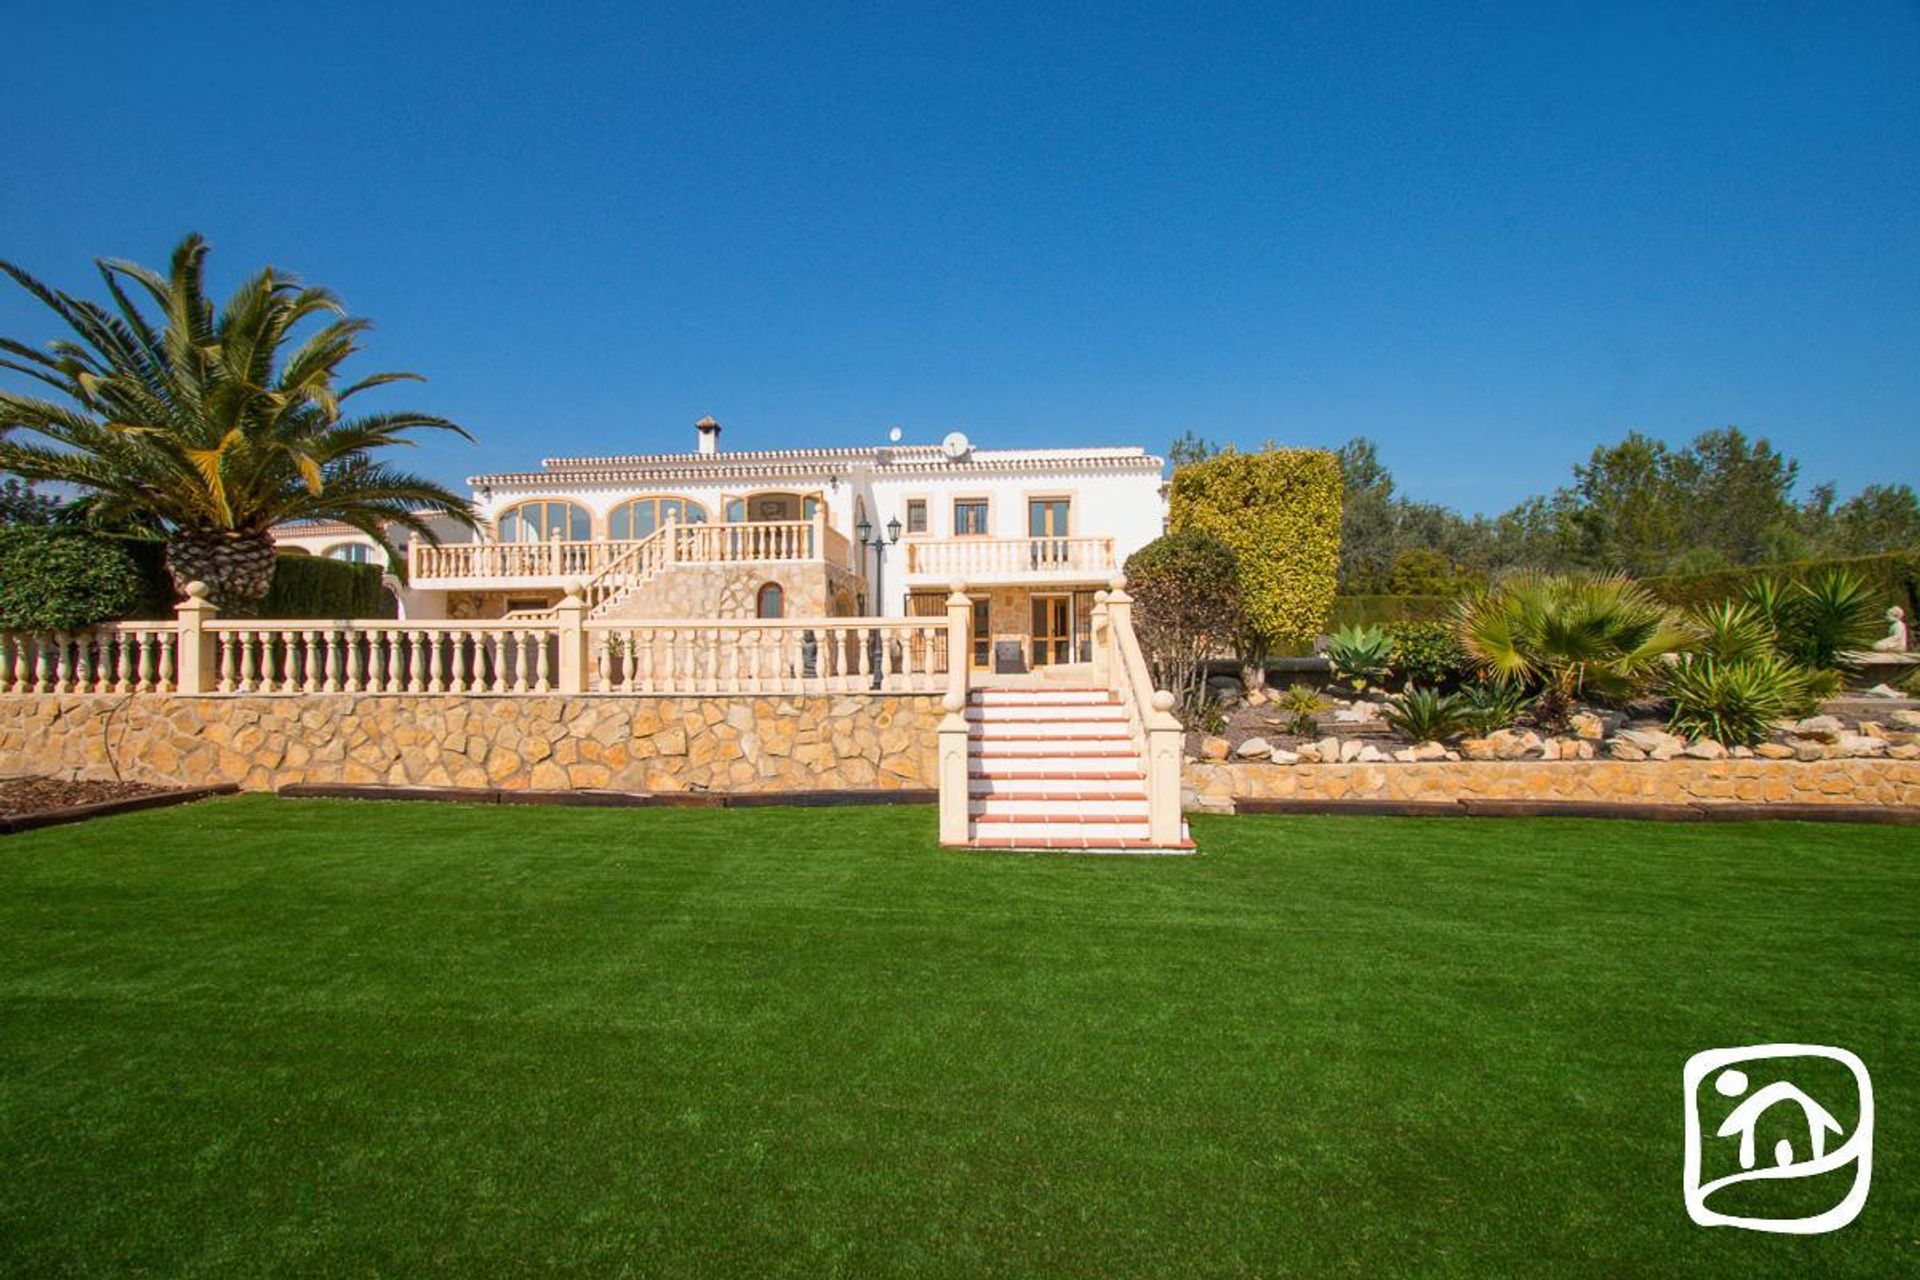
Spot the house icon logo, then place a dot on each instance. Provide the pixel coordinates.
(1727, 1114)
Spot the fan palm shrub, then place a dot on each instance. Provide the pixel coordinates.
(1570, 636)
(205, 426)
(1488, 707)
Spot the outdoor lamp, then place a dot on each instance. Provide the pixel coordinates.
(865, 530)
(893, 529)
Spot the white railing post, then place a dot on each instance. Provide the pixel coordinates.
(570, 618)
(1165, 740)
(1102, 641)
(955, 800)
(195, 657)
(670, 540)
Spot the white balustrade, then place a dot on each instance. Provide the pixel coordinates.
(376, 657)
(977, 559)
(130, 657)
(822, 655)
(775, 540)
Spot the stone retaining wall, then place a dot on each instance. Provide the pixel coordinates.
(1847, 781)
(734, 744)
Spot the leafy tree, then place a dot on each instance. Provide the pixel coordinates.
(206, 427)
(1369, 518)
(1279, 510)
(1190, 447)
(1878, 518)
(1626, 514)
(54, 579)
(1422, 571)
(1733, 493)
(19, 504)
(1186, 609)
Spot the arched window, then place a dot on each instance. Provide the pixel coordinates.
(540, 521)
(772, 602)
(351, 552)
(632, 521)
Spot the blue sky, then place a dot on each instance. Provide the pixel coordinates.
(1488, 237)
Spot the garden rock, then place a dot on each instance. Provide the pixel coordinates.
(1812, 749)
(1254, 749)
(1589, 726)
(1309, 753)
(1428, 751)
(1350, 750)
(1820, 728)
(1774, 751)
(1906, 719)
(1621, 749)
(1329, 750)
(1741, 752)
(1369, 754)
(1859, 744)
(1657, 744)
(1705, 749)
(1904, 751)
(1285, 757)
(1212, 748)
(1884, 691)
(1357, 713)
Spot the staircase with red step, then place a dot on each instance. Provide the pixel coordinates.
(1055, 768)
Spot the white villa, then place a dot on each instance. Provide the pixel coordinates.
(796, 533)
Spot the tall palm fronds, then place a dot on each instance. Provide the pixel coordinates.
(208, 426)
(1572, 636)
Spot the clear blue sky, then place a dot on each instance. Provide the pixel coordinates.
(1486, 236)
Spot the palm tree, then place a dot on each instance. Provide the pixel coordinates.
(1571, 636)
(207, 428)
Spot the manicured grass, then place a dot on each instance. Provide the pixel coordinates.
(257, 1036)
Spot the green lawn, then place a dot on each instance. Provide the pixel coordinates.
(263, 1036)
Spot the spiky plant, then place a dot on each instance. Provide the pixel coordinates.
(1424, 715)
(207, 426)
(1360, 655)
(1736, 701)
(1571, 636)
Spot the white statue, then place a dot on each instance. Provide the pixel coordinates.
(1896, 639)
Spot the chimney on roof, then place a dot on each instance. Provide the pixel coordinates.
(709, 435)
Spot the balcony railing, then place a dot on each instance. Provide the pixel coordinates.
(556, 561)
(981, 559)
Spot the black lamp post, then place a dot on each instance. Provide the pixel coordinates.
(876, 654)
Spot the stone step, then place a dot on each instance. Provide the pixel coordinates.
(1054, 808)
(1043, 698)
(1060, 754)
(1075, 769)
(1064, 785)
(1046, 713)
(1028, 827)
(1040, 732)
(1076, 844)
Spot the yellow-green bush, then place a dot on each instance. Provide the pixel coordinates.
(1279, 510)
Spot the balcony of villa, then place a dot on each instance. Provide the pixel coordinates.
(1030, 561)
(556, 563)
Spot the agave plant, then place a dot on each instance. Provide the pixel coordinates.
(1485, 708)
(1360, 655)
(1424, 715)
(207, 426)
(1571, 636)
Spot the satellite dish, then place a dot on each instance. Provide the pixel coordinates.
(894, 435)
(956, 446)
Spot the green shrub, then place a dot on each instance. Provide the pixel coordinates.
(1360, 655)
(1891, 579)
(1365, 611)
(1489, 707)
(315, 587)
(1428, 653)
(56, 579)
(1279, 510)
(1738, 702)
(1424, 715)
(1186, 608)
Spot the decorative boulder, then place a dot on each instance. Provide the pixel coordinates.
(1589, 726)
(1254, 749)
(1213, 748)
(1819, 728)
(1774, 751)
(1705, 749)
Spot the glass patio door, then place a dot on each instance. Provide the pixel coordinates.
(1047, 526)
(1052, 630)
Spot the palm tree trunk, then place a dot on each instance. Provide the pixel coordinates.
(236, 565)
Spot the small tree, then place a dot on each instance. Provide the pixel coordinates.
(1186, 609)
(1279, 512)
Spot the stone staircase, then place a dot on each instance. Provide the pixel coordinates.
(1055, 768)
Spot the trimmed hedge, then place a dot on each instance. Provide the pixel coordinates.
(1279, 511)
(56, 579)
(1376, 611)
(316, 587)
(1893, 578)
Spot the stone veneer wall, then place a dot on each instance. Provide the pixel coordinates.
(733, 591)
(1847, 781)
(738, 744)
